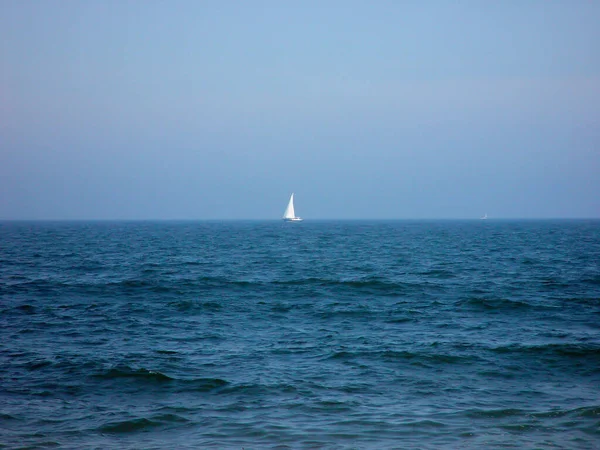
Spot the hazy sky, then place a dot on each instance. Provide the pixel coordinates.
(365, 109)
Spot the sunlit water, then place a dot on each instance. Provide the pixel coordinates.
(479, 334)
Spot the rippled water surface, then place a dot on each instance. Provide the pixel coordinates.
(424, 335)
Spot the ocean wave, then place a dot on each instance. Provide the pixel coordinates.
(526, 420)
(190, 285)
(424, 423)
(495, 413)
(486, 303)
(360, 312)
(38, 445)
(567, 350)
(583, 300)
(521, 427)
(191, 305)
(37, 364)
(259, 389)
(170, 418)
(30, 309)
(129, 426)
(202, 384)
(331, 405)
(167, 352)
(153, 376)
(400, 320)
(142, 424)
(592, 280)
(413, 357)
(378, 285)
(127, 372)
(438, 273)
(375, 284)
(37, 286)
(584, 411)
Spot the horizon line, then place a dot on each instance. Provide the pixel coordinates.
(279, 219)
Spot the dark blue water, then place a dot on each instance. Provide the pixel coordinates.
(424, 335)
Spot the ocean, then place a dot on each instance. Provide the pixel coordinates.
(324, 334)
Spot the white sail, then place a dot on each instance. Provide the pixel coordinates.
(290, 215)
(289, 211)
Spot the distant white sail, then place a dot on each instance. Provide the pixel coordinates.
(289, 211)
(290, 215)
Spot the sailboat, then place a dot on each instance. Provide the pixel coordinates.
(289, 215)
(484, 217)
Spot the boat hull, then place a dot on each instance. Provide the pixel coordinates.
(293, 219)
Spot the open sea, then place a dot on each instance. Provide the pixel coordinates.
(317, 335)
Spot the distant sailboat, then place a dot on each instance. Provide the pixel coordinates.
(484, 217)
(289, 215)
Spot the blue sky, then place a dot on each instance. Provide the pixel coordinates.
(219, 110)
